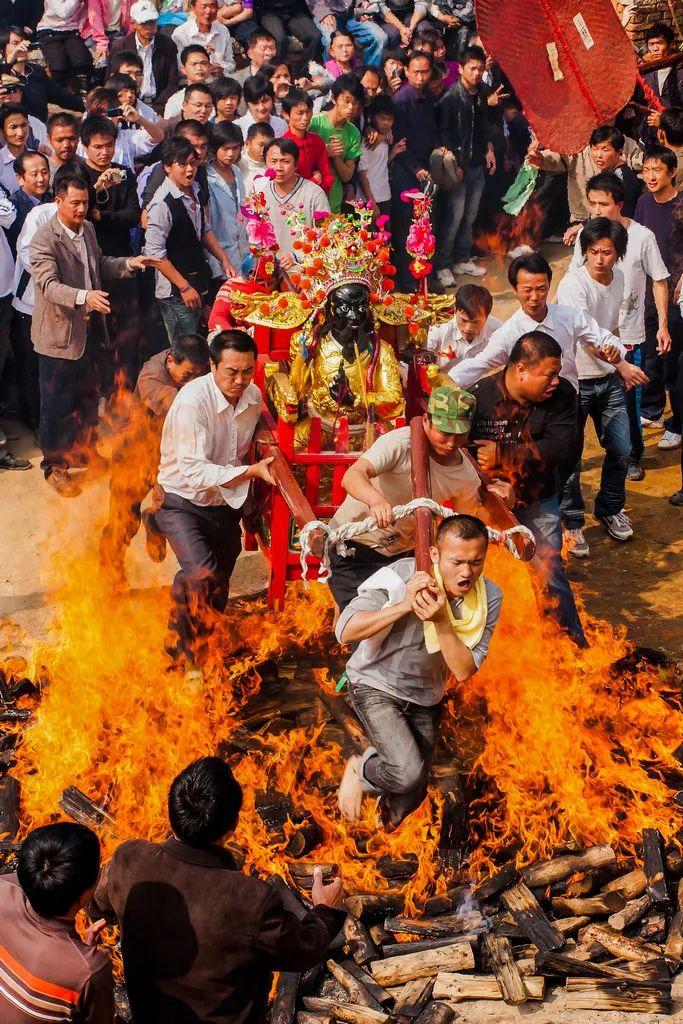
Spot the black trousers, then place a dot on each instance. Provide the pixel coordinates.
(26, 361)
(5, 321)
(69, 392)
(124, 329)
(206, 540)
(348, 572)
(65, 54)
(662, 370)
(297, 23)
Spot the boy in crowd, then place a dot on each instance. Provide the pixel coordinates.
(126, 62)
(259, 96)
(378, 151)
(62, 135)
(44, 961)
(468, 332)
(137, 136)
(252, 162)
(195, 63)
(313, 162)
(339, 133)
(227, 94)
(178, 231)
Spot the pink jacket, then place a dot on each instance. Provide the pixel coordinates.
(98, 19)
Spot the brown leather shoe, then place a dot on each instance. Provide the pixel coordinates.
(60, 481)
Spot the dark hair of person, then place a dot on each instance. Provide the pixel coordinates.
(5, 33)
(607, 182)
(663, 154)
(473, 53)
(532, 348)
(606, 133)
(671, 124)
(8, 109)
(191, 126)
(191, 348)
(260, 128)
(294, 98)
(533, 263)
(426, 34)
(660, 30)
(125, 57)
(270, 67)
(287, 147)
(177, 151)
(101, 95)
(380, 104)
(20, 162)
(225, 133)
(412, 55)
(233, 341)
(204, 802)
(224, 87)
(462, 527)
(121, 81)
(57, 865)
(61, 185)
(70, 169)
(260, 35)
(598, 228)
(369, 68)
(187, 51)
(339, 33)
(350, 83)
(473, 300)
(61, 120)
(256, 87)
(198, 87)
(96, 124)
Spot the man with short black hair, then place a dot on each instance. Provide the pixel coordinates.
(200, 938)
(470, 329)
(666, 83)
(62, 134)
(195, 63)
(412, 632)
(205, 475)
(287, 190)
(525, 428)
(33, 174)
(202, 26)
(46, 971)
(670, 134)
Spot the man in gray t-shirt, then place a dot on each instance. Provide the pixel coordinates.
(398, 673)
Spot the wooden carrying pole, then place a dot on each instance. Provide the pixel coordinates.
(281, 471)
(419, 473)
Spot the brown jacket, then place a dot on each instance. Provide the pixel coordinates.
(46, 972)
(200, 939)
(59, 326)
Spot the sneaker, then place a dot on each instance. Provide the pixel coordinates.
(10, 461)
(645, 422)
(469, 268)
(618, 526)
(669, 440)
(677, 499)
(635, 471)
(577, 545)
(519, 250)
(445, 278)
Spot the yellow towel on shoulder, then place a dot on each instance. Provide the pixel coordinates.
(470, 628)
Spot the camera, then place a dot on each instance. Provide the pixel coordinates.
(115, 112)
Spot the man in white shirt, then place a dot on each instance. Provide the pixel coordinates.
(597, 287)
(205, 473)
(643, 261)
(288, 191)
(202, 27)
(468, 332)
(195, 63)
(530, 276)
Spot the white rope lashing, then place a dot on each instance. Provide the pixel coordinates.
(348, 531)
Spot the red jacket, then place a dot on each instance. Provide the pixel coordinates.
(312, 157)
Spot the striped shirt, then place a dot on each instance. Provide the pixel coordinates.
(46, 973)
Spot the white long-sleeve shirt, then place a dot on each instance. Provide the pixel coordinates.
(216, 41)
(569, 327)
(601, 301)
(449, 346)
(63, 15)
(35, 219)
(205, 443)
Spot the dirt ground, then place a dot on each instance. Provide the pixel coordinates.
(638, 584)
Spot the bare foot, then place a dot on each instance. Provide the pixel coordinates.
(350, 793)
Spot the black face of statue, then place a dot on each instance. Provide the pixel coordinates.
(349, 315)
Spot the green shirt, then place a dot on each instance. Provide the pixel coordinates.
(351, 141)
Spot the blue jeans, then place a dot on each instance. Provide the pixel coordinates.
(178, 318)
(633, 398)
(367, 34)
(543, 519)
(457, 212)
(601, 398)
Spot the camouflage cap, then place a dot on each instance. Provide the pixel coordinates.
(451, 409)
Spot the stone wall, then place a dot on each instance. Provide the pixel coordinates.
(637, 15)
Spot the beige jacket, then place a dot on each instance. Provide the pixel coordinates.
(59, 325)
(580, 168)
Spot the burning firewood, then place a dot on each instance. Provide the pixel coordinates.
(632, 912)
(497, 883)
(673, 950)
(532, 921)
(275, 810)
(361, 946)
(501, 962)
(284, 1002)
(451, 899)
(344, 716)
(9, 806)
(413, 998)
(629, 997)
(401, 948)
(618, 944)
(394, 867)
(85, 811)
(375, 904)
(654, 866)
(436, 927)
(302, 872)
(346, 1012)
(559, 868)
(400, 969)
(385, 998)
(356, 991)
(590, 906)
(457, 988)
(630, 885)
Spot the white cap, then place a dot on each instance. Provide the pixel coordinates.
(143, 11)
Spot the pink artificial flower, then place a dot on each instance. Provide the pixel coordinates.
(382, 220)
(261, 233)
(320, 215)
(420, 241)
(411, 195)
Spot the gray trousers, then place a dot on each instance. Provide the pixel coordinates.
(403, 735)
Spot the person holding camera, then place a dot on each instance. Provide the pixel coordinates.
(137, 136)
(38, 88)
